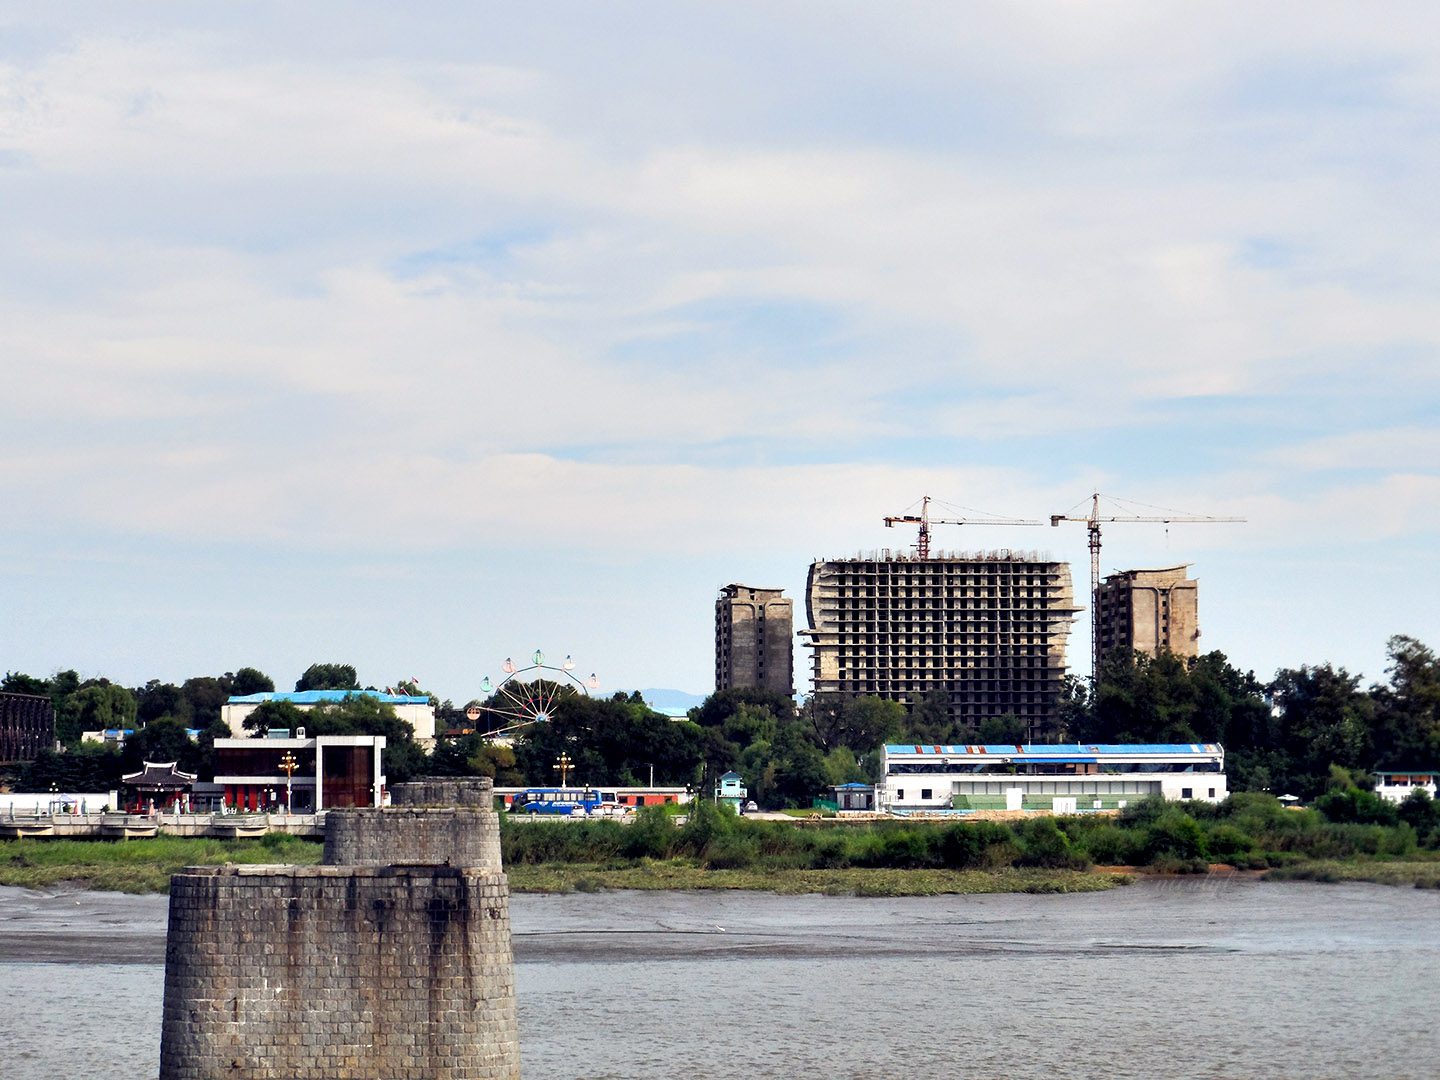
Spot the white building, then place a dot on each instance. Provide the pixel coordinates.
(1061, 778)
(329, 771)
(1397, 786)
(414, 709)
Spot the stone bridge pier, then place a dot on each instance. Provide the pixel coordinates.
(390, 961)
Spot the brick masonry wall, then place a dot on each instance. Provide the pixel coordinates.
(405, 835)
(342, 973)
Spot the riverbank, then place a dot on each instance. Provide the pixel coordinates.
(136, 866)
(145, 866)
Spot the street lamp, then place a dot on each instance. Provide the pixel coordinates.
(289, 764)
(563, 765)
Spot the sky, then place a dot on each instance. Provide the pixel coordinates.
(420, 336)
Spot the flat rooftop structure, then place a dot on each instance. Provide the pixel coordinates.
(316, 697)
(1057, 753)
(1062, 777)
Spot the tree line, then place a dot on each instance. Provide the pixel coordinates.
(1282, 736)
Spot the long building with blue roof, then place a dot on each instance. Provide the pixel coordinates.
(414, 709)
(1055, 777)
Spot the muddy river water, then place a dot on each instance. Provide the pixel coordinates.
(1177, 978)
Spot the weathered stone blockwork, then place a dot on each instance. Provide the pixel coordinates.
(462, 837)
(340, 973)
(390, 962)
(478, 791)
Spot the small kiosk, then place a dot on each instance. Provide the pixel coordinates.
(730, 791)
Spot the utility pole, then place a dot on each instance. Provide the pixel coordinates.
(1092, 522)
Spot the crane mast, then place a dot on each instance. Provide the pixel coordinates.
(1092, 527)
(924, 520)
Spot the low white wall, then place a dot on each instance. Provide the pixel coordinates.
(28, 803)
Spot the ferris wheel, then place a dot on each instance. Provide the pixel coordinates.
(529, 695)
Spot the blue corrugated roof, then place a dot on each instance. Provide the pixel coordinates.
(315, 697)
(1053, 751)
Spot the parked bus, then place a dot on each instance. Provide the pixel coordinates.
(562, 801)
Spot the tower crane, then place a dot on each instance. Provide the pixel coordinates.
(1092, 521)
(924, 520)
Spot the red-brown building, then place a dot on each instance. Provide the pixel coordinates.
(329, 771)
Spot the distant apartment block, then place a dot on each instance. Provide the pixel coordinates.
(27, 726)
(754, 629)
(1149, 610)
(987, 628)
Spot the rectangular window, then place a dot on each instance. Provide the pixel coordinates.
(1187, 793)
(925, 793)
(1212, 793)
(900, 794)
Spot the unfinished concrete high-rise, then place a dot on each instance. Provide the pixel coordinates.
(754, 631)
(1149, 610)
(988, 629)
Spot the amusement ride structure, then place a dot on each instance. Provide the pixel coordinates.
(529, 695)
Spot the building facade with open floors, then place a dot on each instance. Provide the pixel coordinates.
(988, 629)
(754, 640)
(1151, 611)
(1054, 777)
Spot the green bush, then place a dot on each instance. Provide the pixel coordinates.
(1228, 843)
(1043, 844)
(1110, 845)
(650, 836)
(983, 844)
(1174, 834)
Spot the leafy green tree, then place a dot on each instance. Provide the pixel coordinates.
(204, 696)
(157, 699)
(362, 714)
(928, 720)
(282, 715)
(16, 682)
(96, 707)
(1009, 729)
(1323, 719)
(88, 767)
(328, 677)
(249, 680)
(861, 724)
(719, 706)
(1407, 709)
(160, 741)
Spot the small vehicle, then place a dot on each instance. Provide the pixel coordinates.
(750, 807)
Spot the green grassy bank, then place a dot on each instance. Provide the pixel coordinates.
(136, 866)
(716, 850)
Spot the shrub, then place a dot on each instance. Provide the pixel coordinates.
(1110, 845)
(1228, 843)
(983, 844)
(651, 836)
(1176, 834)
(1043, 844)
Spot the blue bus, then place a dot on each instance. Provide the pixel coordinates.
(561, 801)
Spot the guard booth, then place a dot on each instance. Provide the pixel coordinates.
(730, 791)
(854, 796)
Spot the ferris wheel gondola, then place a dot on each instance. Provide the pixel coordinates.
(531, 694)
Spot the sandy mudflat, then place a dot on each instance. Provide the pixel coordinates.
(77, 927)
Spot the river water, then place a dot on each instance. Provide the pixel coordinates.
(1205, 978)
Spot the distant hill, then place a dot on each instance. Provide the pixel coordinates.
(671, 699)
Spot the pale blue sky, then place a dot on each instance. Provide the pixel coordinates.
(416, 338)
